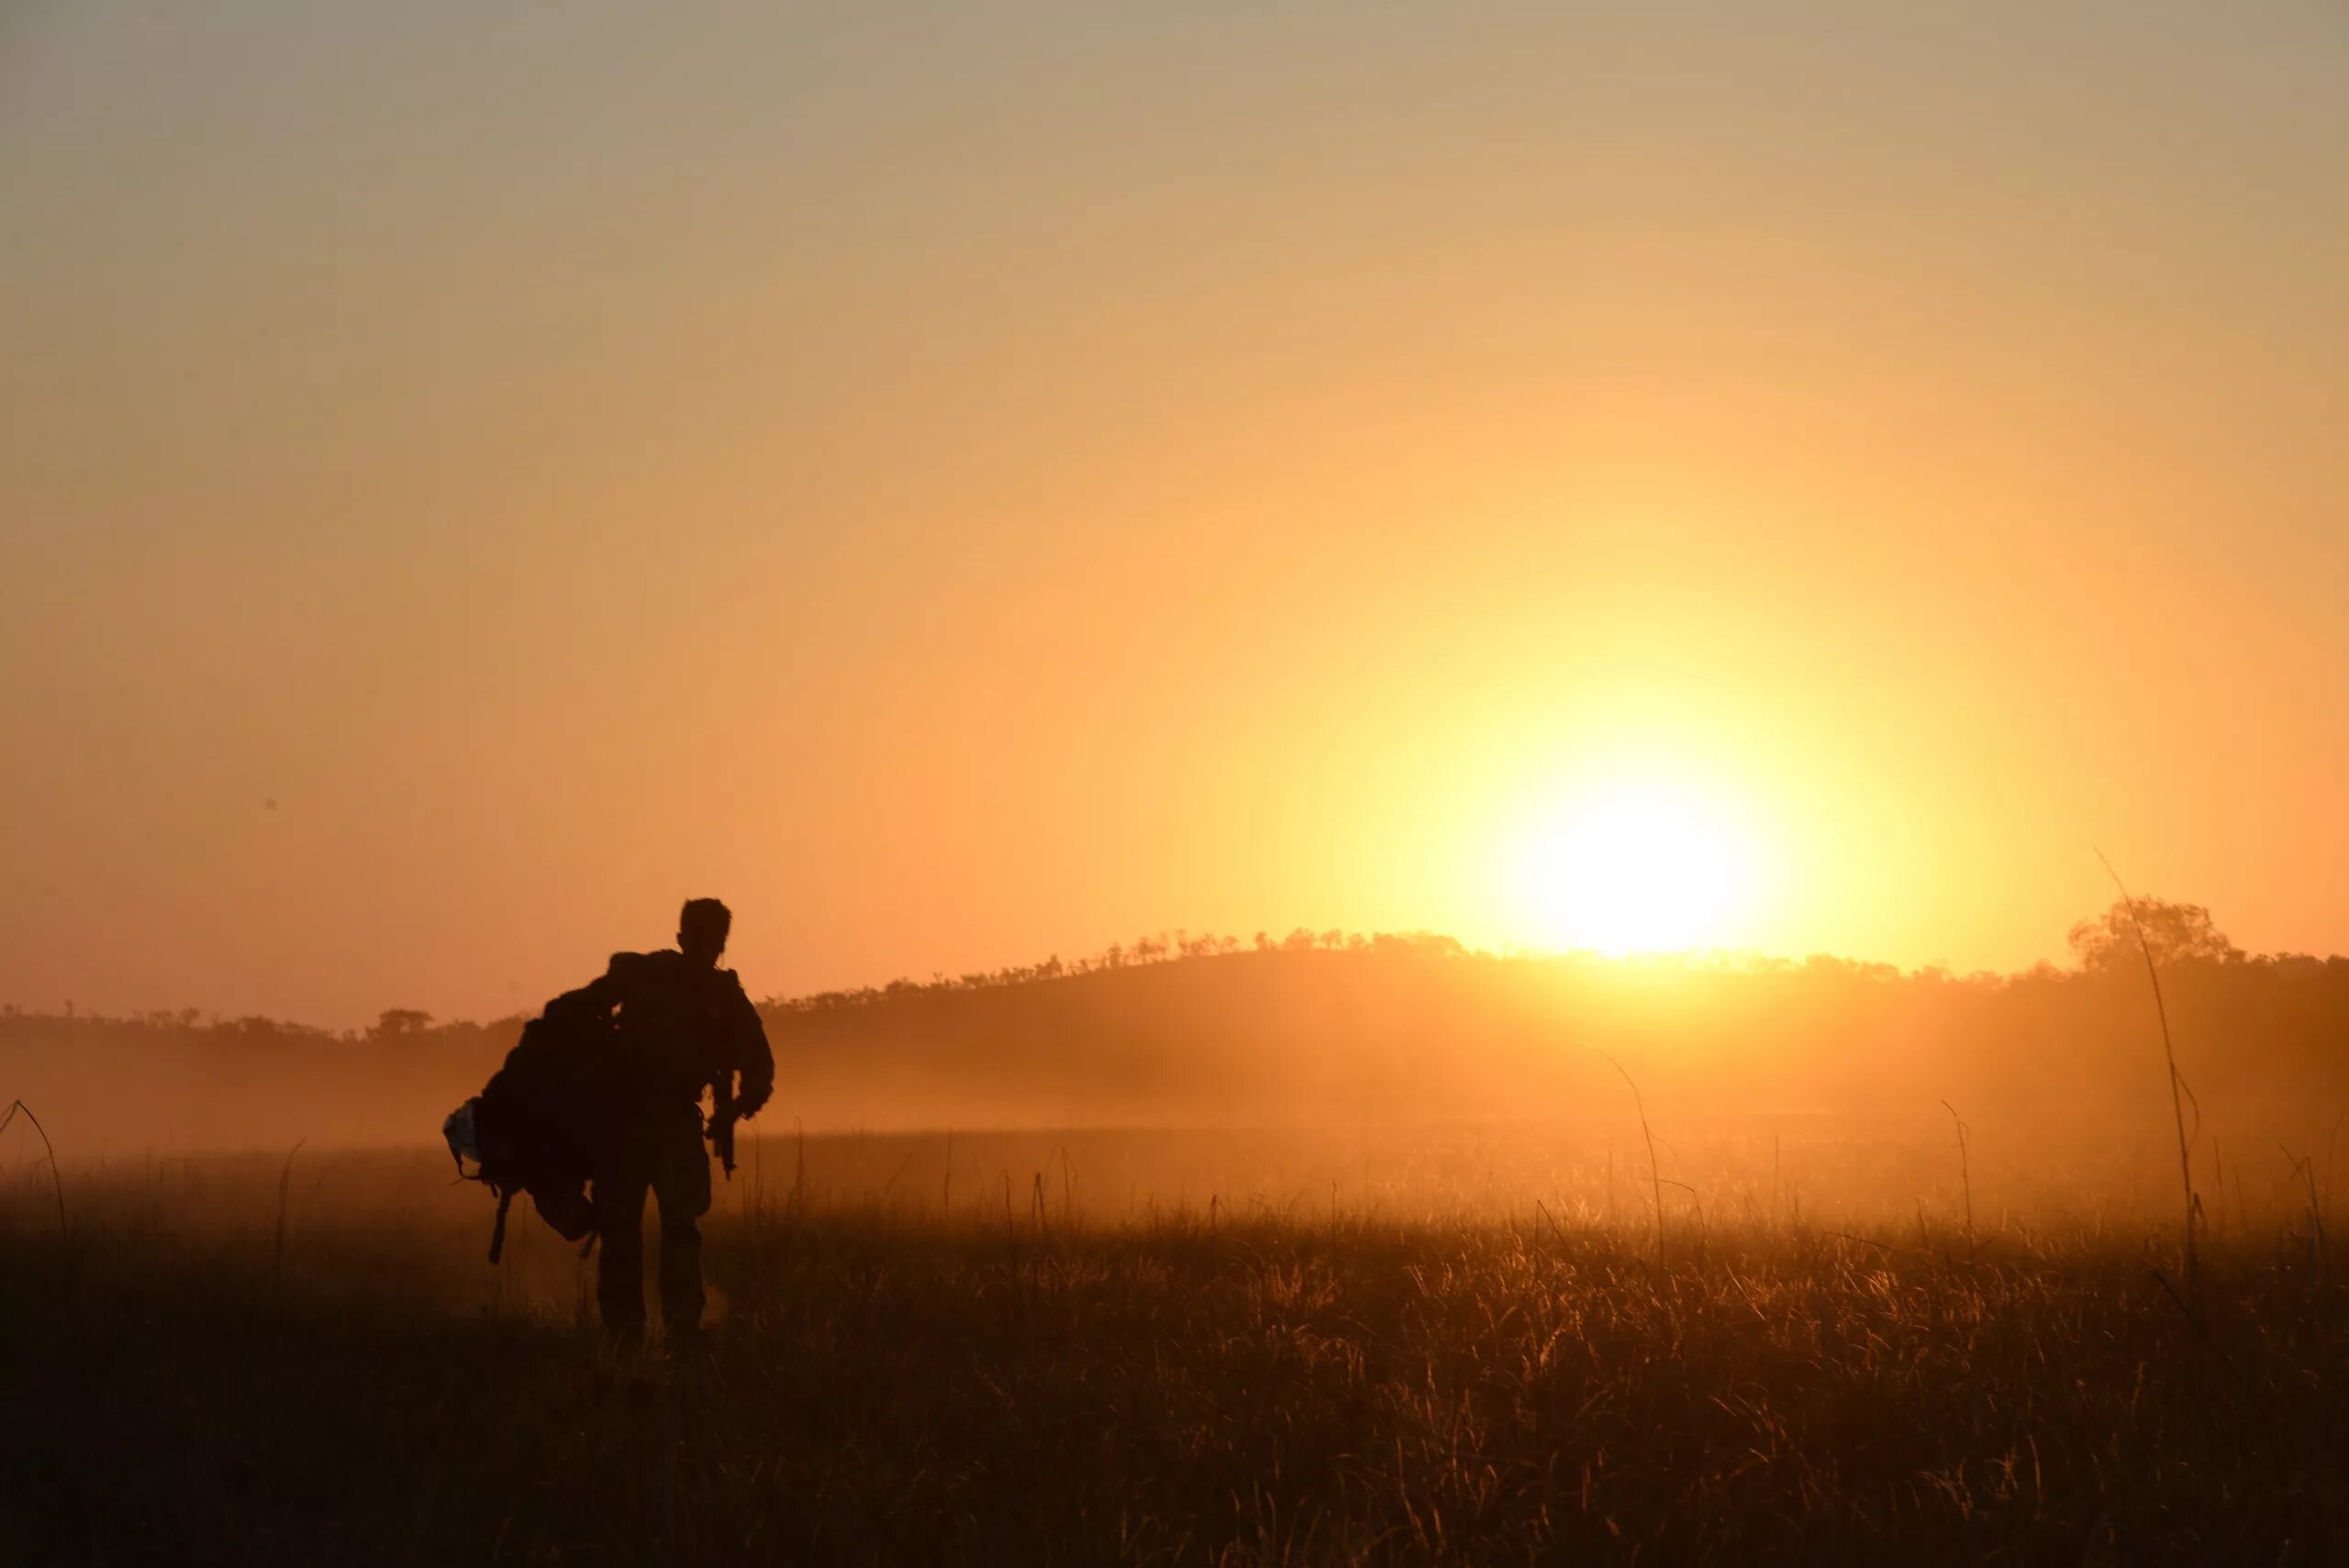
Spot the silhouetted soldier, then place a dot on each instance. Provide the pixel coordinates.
(683, 1023)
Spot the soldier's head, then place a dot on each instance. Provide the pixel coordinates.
(702, 926)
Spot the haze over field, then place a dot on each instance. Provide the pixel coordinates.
(965, 484)
(1315, 1035)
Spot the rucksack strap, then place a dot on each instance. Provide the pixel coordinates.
(497, 1232)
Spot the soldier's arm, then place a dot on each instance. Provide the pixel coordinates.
(752, 1056)
(612, 987)
(597, 998)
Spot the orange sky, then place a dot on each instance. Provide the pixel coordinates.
(963, 482)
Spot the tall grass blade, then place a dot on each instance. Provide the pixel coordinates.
(2191, 1264)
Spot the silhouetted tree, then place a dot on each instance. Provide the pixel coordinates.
(2176, 933)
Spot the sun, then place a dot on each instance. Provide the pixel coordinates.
(1635, 869)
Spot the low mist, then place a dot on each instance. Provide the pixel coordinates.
(1354, 1061)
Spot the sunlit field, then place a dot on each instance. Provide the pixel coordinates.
(1474, 1345)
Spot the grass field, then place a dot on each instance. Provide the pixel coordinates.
(1010, 1353)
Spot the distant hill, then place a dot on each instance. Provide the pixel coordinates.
(1389, 1028)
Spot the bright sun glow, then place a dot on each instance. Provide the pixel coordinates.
(1636, 869)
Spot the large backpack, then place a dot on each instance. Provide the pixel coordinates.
(544, 1121)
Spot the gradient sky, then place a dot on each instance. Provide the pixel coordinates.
(965, 482)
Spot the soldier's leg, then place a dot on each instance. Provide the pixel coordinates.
(681, 1184)
(620, 1265)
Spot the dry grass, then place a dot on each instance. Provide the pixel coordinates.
(196, 1374)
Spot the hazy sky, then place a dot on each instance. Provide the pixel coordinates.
(963, 482)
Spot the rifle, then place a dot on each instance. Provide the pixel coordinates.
(721, 1121)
